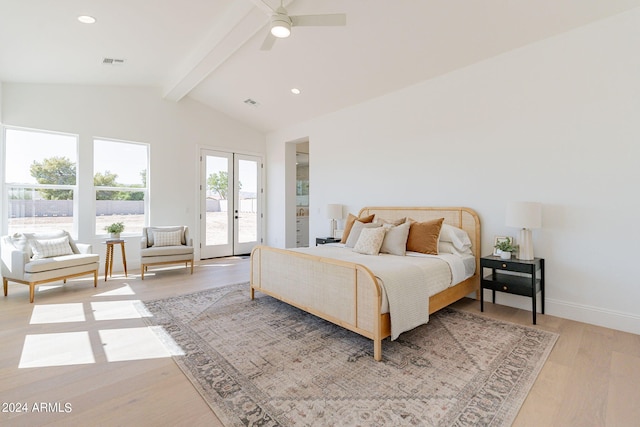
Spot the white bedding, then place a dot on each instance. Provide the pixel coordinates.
(407, 281)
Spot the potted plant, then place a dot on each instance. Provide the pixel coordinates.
(115, 229)
(505, 248)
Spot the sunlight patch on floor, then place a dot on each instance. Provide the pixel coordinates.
(115, 310)
(57, 313)
(132, 344)
(62, 349)
(124, 290)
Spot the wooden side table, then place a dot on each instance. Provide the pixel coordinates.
(108, 264)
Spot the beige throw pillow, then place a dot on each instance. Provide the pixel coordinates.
(370, 241)
(395, 239)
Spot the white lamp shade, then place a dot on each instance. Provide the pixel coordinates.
(524, 215)
(334, 211)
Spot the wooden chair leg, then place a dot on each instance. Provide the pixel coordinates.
(5, 285)
(32, 291)
(143, 268)
(95, 278)
(191, 266)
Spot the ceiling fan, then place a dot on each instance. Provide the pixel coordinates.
(281, 22)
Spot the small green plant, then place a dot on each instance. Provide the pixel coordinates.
(116, 228)
(506, 246)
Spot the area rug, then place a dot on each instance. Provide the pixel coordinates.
(263, 362)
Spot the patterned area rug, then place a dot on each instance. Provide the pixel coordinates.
(265, 363)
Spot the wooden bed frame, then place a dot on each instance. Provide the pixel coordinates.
(348, 294)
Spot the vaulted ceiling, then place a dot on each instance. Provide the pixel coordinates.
(209, 50)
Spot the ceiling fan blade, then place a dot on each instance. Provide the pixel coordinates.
(330, 20)
(268, 42)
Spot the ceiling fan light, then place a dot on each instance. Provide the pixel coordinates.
(280, 27)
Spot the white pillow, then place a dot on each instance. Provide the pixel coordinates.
(370, 241)
(154, 230)
(167, 238)
(395, 239)
(448, 248)
(50, 247)
(455, 235)
(357, 228)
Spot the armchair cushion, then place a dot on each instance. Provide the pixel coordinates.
(166, 250)
(58, 262)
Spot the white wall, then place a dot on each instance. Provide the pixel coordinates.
(175, 132)
(555, 122)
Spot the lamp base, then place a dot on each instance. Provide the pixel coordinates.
(525, 245)
(334, 223)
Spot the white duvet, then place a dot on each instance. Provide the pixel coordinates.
(407, 281)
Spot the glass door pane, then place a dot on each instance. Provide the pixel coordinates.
(247, 206)
(217, 225)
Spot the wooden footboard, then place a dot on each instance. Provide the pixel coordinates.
(343, 293)
(348, 294)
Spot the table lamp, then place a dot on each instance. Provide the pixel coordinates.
(334, 212)
(525, 216)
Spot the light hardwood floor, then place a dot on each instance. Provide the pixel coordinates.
(591, 378)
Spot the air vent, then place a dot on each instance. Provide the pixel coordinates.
(112, 61)
(251, 102)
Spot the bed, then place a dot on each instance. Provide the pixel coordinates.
(347, 292)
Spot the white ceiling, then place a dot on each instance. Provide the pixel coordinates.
(209, 50)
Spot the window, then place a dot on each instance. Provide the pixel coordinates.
(40, 180)
(120, 182)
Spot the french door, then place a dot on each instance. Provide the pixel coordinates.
(230, 203)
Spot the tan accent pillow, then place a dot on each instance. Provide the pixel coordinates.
(423, 236)
(350, 220)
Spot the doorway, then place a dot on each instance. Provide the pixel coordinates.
(230, 203)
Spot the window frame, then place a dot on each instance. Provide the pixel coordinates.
(144, 190)
(6, 185)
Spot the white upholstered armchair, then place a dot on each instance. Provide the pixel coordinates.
(165, 245)
(36, 258)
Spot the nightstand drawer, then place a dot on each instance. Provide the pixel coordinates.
(505, 264)
(511, 284)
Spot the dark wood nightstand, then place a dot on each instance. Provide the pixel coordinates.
(323, 240)
(527, 283)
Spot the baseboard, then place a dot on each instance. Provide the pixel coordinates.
(618, 320)
(621, 321)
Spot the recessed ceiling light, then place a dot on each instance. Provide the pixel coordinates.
(295, 91)
(86, 19)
